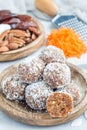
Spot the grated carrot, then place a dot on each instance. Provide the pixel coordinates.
(68, 40)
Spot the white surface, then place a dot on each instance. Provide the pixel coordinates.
(76, 122)
(7, 123)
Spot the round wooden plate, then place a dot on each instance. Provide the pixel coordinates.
(28, 49)
(20, 112)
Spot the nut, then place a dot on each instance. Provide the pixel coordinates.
(28, 40)
(19, 33)
(34, 30)
(33, 36)
(13, 46)
(4, 49)
(28, 32)
(10, 35)
(17, 40)
(3, 43)
(4, 35)
(14, 39)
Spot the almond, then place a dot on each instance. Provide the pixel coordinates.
(4, 35)
(3, 43)
(33, 36)
(34, 30)
(13, 46)
(4, 49)
(28, 32)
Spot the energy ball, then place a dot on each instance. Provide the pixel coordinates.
(52, 54)
(59, 104)
(36, 95)
(74, 90)
(32, 71)
(56, 74)
(13, 88)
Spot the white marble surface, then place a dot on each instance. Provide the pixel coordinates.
(7, 123)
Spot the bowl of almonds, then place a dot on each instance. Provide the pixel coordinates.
(20, 35)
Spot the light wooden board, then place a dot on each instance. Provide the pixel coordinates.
(41, 118)
(27, 50)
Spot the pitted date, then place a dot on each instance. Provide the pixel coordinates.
(26, 25)
(5, 14)
(21, 22)
(24, 18)
(12, 21)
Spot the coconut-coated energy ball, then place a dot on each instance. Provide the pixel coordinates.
(13, 88)
(31, 71)
(52, 54)
(36, 95)
(59, 104)
(56, 74)
(74, 90)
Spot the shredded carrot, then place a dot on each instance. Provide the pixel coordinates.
(68, 40)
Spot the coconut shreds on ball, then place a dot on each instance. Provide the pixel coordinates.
(56, 74)
(52, 54)
(74, 90)
(36, 95)
(13, 88)
(31, 71)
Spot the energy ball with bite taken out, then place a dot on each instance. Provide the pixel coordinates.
(13, 88)
(31, 71)
(59, 104)
(56, 74)
(52, 54)
(36, 95)
(74, 90)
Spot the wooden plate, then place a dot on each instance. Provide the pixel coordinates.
(24, 51)
(41, 118)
